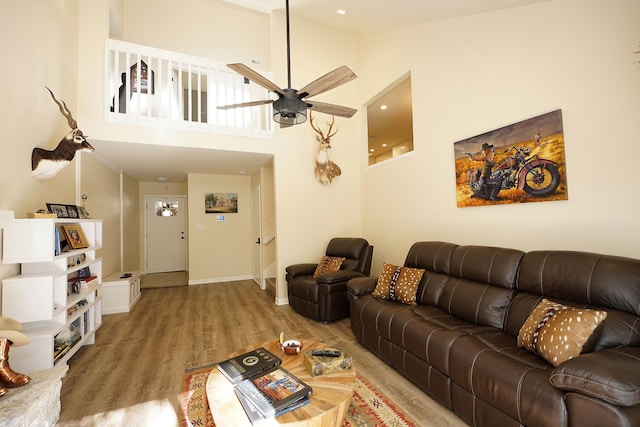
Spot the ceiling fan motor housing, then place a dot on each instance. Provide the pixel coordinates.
(289, 110)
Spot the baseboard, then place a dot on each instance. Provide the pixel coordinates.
(218, 280)
(282, 301)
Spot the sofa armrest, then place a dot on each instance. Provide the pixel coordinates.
(611, 375)
(297, 270)
(361, 285)
(339, 276)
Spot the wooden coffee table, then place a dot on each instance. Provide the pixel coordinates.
(328, 405)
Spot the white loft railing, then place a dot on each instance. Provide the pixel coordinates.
(150, 86)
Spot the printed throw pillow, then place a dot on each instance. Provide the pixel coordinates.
(557, 332)
(397, 283)
(328, 263)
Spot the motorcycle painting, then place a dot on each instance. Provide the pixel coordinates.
(520, 163)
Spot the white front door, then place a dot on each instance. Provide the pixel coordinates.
(166, 233)
(256, 233)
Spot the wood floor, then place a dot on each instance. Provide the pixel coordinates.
(132, 375)
(164, 280)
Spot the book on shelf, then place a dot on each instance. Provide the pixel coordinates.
(272, 393)
(59, 351)
(61, 244)
(84, 282)
(248, 364)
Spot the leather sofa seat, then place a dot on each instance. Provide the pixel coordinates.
(459, 343)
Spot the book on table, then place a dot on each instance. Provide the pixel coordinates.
(272, 393)
(248, 364)
(254, 414)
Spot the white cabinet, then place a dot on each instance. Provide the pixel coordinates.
(120, 291)
(56, 297)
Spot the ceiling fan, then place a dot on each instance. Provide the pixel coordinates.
(291, 106)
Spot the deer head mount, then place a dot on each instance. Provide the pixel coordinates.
(46, 164)
(325, 169)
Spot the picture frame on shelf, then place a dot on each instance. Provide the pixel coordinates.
(72, 210)
(59, 209)
(82, 212)
(84, 272)
(64, 211)
(75, 236)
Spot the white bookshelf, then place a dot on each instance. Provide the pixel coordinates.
(57, 318)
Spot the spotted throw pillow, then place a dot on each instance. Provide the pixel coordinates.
(557, 332)
(397, 283)
(328, 263)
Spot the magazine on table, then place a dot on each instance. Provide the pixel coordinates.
(274, 392)
(248, 364)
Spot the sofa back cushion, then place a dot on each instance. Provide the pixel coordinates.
(583, 280)
(352, 249)
(435, 259)
(482, 284)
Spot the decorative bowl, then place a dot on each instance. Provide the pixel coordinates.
(291, 347)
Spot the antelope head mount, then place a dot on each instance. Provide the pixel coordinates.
(325, 169)
(46, 164)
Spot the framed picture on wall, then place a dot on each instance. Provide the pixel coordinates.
(523, 162)
(217, 203)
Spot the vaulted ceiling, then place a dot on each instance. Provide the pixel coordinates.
(363, 16)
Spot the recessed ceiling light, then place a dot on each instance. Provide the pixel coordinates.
(383, 107)
(162, 179)
(372, 150)
(384, 145)
(341, 12)
(242, 172)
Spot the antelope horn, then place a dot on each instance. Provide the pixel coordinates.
(65, 111)
(313, 126)
(329, 134)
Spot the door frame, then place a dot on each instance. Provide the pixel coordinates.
(256, 219)
(186, 224)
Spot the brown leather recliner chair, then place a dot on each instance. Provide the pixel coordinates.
(325, 298)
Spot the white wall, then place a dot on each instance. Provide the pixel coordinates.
(478, 73)
(219, 250)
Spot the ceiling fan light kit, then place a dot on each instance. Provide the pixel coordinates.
(289, 110)
(291, 107)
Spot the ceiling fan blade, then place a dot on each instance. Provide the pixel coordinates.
(335, 110)
(255, 77)
(245, 104)
(332, 79)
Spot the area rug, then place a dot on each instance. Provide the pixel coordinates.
(369, 407)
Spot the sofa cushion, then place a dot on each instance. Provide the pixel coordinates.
(486, 264)
(494, 370)
(328, 263)
(397, 283)
(558, 332)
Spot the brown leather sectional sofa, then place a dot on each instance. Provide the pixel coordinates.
(459, 342)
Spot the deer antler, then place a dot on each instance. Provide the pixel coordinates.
(317, 129)
(65, 111)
